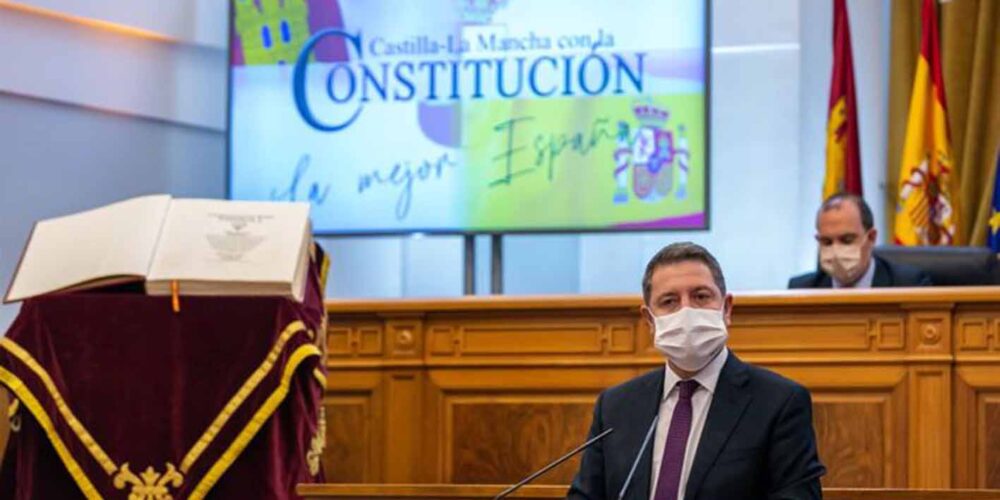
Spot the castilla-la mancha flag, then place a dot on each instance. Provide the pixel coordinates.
(843, 156)
(926, 209)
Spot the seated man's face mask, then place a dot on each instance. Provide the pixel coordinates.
(842, 261)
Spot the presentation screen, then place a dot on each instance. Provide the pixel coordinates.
(472, 116)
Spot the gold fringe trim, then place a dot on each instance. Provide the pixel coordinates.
(259, 419)
(24, 394)
(324, 270)
(241, 395)
(85, 438)
(314, 457)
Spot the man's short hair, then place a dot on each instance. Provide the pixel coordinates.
(681, 252)
(834, 201)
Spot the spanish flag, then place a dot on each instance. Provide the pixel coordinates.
(993, 236)
(926, 210)
(843, 157)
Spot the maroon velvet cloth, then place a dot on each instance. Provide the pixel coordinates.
(146, 383)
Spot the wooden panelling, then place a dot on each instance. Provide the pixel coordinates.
(518, 335)
(407, 338)
(910, 494)
(931, 329)
(497, 422)
(354, 436)
(977, 332)
(503, 439)
(977, 430)
(354, 340)
(860, 417)
(930, 426)
(991, 441)
(348, 439)
(535, 492)
(837, 335)
(851, 433)
(423, 491)
(977, 394)
(530, 338)
(905, 382)
(402, 426)
(851, 329)
(829, 332)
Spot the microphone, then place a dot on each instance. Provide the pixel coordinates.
(543, 470)
(638, 457)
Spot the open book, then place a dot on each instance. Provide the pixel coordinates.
(208, 247)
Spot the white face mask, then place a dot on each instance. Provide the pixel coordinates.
(691, 338)
(842, 262)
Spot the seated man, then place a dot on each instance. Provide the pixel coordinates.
(846, 236)
(706, 425)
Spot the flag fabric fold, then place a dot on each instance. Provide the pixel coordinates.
(926, 209)
(843, 155)
(993, 232)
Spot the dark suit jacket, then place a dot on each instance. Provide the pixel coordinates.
(887, 274)
(757, 443)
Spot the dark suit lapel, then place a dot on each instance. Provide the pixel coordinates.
(645, 409)
(728, 404)
(882, 277)
(823, 280)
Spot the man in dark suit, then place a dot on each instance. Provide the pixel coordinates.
(706, 425)
(846, 234)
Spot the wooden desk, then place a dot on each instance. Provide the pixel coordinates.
(425, 491)
(473, 492)
(887, 494)
(905, 382)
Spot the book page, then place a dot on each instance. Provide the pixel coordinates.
(230, 241)
(111, 241)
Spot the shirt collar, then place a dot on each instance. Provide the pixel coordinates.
(707, 377)
(865, 281)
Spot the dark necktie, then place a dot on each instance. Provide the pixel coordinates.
(677, 437)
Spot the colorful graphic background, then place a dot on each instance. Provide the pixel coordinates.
(629, 161)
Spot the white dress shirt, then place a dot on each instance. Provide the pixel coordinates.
(865, 281)
(707, 379)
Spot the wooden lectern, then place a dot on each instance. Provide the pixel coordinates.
(905, 383)
(423, 491)
(481, 491)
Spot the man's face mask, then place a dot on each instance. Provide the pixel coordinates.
(690, 337)
(842, 261)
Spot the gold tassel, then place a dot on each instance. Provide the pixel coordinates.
(175, 296)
